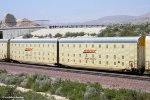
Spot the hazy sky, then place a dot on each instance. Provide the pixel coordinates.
(72, 10)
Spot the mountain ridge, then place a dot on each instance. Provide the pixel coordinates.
(120, 19)
(107, 20)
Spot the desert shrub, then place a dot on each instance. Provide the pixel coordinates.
(125, 30)
(33, 96)
(125, 94)
(74, 34)
(42, 83)
(93, 92)
(41, 36)
(6, 91)
(103, 96)
(23, 75)
(2, 77)
(50, 35)
(58, 35)
(30, 80)
(3, 71)
(143, 96)
(73, 90)
(89, 93)
(27, 36)
(97, 86)
(81, 34)
(55, 84)
(111, 93)
(10, 79)
(41, 86)
(93, 34)
(59, 91)
(130, 95)
(24, 83)
(55, 80)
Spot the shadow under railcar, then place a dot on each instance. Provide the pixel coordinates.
(1, 34)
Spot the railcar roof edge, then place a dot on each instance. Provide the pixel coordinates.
(52, 40)
(78, 40)
(101, 40)
(3, 40)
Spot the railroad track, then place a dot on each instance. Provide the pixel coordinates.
(145, 77)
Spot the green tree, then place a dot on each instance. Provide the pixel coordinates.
(58, 35)
(68, 34)
(50, 35)
(27, 36)
(93, 34)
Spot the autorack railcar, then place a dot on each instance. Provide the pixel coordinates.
(3, 49)
(147, 62)
(108, 53)
(36, 51)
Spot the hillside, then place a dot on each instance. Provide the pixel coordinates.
(120, 19)
(10, 20)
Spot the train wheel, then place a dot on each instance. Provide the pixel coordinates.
(133, 70)
(140, 71)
